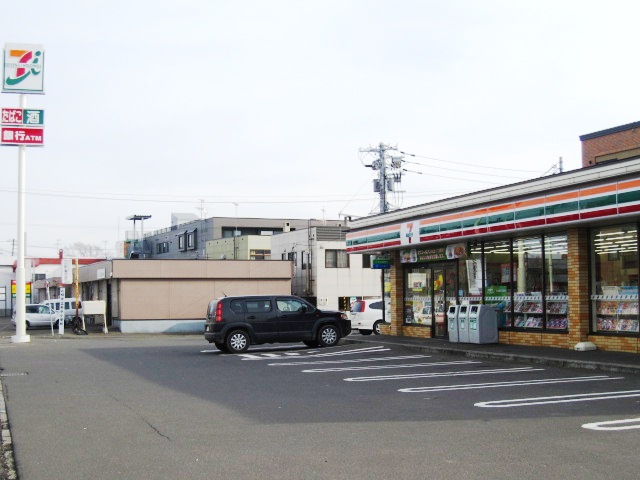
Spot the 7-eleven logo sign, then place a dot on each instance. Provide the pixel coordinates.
(23, 68)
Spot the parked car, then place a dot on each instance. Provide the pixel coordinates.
(37, 315)
(235, 323)
(367, 315)
(69, 308)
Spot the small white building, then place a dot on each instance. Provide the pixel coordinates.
(322, 271)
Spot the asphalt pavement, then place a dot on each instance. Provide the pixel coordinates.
(597, 360)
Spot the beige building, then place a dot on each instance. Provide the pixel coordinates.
(245, 247)
(146, 296)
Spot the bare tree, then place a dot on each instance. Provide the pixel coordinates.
(84, 250)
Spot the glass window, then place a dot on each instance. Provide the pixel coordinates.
(498, 278)
(418, 296)
(527, 272)
(336, 259)
(615, 279)
(470, 273)
(556, 280)
(290, 305)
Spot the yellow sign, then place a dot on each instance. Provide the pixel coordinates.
(27, 288)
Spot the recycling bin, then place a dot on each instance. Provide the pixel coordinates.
(483, 324)
(463, 324)
(452, 322)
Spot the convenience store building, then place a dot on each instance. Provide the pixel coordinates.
(557, 256)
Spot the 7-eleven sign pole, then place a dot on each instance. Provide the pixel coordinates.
(21, 324)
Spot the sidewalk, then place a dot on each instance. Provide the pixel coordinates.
(615, 362)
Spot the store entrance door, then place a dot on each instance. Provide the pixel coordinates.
(444, 294)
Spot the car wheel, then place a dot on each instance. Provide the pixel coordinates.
(365, 332)
(376, 327)
(311, 343)
(328, 336)
(238, 341)
(221, 346)
(28, 325)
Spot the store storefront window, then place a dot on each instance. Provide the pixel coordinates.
(497, 260)
(556, 282)
(527, 266)
(615, 279)
(418, 296)
(470, 276)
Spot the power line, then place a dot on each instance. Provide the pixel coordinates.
(466, 164)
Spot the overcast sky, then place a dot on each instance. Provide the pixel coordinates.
(154, 107)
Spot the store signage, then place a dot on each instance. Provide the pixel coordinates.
(422, 254)
(23, 68)
(22, 116)
(27, 289)
(381, 263)
(33, 136)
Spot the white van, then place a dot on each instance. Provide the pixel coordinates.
(69, 308)
(366, 315)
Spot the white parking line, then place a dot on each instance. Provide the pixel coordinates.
(443, 374)
(271, 356)
(383, 367)
(626, 424)
(515, 383)
(581, 397)
(351, 360)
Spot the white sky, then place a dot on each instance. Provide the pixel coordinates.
(151, 106)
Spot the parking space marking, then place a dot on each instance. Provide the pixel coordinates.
(383, 367)
(443, 374)
(271, 356)
(515, 383)
(349, 360)
(614, 425)
(580, 397)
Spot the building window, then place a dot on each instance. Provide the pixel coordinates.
(418, 296)
(191, 240)
(556, 282)
(162, 247)
(260, 254)
(498, 278)
(336, 259)
(181, 242)
(526, 278)
(614, 261)
(527, 273)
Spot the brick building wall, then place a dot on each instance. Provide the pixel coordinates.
(612, 144)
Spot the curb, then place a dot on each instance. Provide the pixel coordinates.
(528, 359)
(7, 463)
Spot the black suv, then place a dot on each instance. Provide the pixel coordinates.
(234, 323)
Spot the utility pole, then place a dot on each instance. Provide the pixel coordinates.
(389, 173)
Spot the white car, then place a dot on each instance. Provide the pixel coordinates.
(367, 315)
(37, 315)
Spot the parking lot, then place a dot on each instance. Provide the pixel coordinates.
(174, 406)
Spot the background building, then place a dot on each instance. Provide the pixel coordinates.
(323, 273)
(188, 239)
